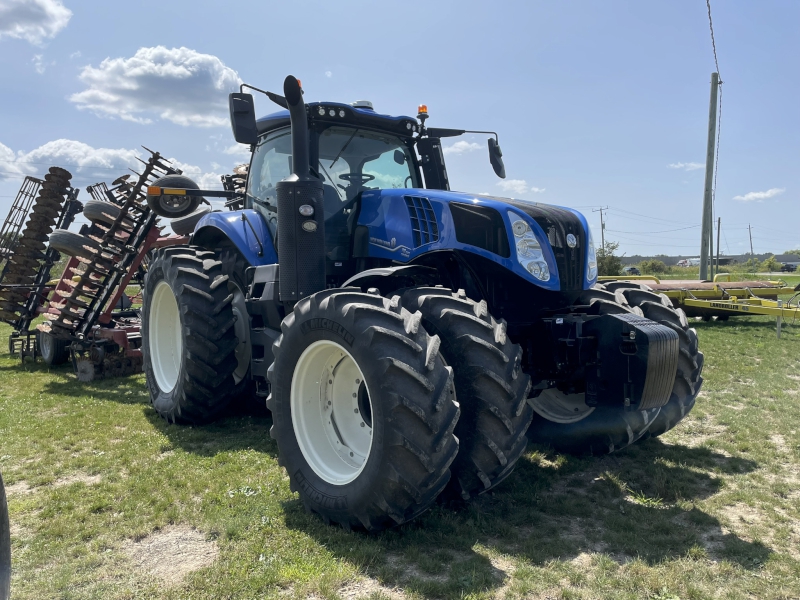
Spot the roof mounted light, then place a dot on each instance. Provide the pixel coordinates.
(362, 104)
(423, 109)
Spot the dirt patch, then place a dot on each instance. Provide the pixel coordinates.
(19, 489)
(367, 587)
(780, 443)
(172, 553)
(77, 478)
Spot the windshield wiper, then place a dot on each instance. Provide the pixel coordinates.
(338, 193)
(344, 148)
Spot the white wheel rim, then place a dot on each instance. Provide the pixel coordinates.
(328, 399)
(164, 331)
(242, 329)
(45, 345)
(554, 405)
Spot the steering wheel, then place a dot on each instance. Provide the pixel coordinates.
(359, 178)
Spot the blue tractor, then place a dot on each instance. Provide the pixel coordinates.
(408, 340)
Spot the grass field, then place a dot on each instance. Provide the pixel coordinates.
(108, 501)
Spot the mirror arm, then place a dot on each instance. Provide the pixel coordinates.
(279, 100)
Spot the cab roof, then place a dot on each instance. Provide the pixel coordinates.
(344, 114)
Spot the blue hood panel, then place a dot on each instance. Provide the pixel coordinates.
(386, 214)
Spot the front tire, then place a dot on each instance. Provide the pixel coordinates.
(189, 340)
(348, 363)
(491, 387)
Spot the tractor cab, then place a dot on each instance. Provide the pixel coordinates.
(347, 158)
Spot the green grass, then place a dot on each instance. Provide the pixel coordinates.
(712, 510)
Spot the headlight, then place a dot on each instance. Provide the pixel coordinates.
(529, 251)
(591, 259)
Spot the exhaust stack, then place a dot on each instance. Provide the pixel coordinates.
(301, 216)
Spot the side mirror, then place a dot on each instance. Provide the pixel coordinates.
(496, 158)
(399, 157)
(243, 118)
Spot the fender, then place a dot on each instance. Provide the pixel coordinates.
(389, 279)
(245, 229)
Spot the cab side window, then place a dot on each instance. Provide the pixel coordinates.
(272, 161)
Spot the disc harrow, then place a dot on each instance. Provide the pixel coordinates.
(88, 307)
(27, 270)
(109, 254)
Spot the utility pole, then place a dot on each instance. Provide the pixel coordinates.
(750, 231)
(706, 246)
(719, 228)
(602, 226)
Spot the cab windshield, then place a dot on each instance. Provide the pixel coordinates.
(353, 160)
(350, 160)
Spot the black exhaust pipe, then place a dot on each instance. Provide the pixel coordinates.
(301, 216)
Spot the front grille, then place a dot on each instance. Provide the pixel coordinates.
(423, 220)
(557, 224)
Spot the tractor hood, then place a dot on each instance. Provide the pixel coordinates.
(404, 224)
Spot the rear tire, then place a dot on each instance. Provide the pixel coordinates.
(5, 545)
(54, 351)
(188, 334)
(492, 390)
(399, 471)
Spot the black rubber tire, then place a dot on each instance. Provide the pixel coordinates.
(206, 371)
(5, 545)
(74, 244)
(185, 225)
(180, 182)
(689, 378)
(492, 389)
(54, 351)
(103, 212)
(413, 402)
(234, 266)
(604, 430)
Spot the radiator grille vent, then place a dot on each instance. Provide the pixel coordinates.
(423, 221)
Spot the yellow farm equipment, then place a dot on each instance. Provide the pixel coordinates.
(722, 297)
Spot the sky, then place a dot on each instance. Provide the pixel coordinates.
(597, 104)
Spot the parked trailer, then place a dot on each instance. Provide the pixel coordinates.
(721, 298)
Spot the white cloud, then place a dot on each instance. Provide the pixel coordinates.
(206, 180)
(178, 85)
(238, 150)
(76, 54)
(690, 166)
(759, 196)
(461, 147)
(32, 20)
(518, 186)
(328, 74)
(89, 165)
(38, 65)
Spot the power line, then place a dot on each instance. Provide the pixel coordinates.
(711, 27)
(625, 213)
(653, 232)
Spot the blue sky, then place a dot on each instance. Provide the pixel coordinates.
(596, 103)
